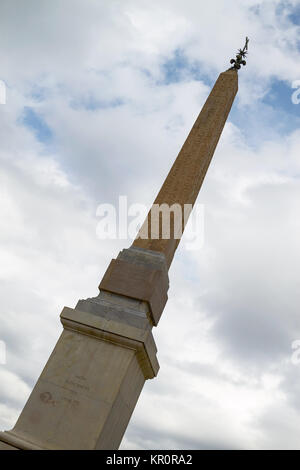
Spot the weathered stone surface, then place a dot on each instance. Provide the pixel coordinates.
(5, 446)
(139, 282)
(132, 337)
(89, 386)
(141, 275)
(117, 307)
(185, 178)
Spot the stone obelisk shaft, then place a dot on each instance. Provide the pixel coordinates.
(185, 178)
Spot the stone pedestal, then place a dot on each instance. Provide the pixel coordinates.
(89, 388)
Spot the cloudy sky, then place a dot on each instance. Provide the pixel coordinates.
(100, 97)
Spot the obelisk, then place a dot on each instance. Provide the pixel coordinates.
(90, 385)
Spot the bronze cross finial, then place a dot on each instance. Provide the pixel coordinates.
(240, 57)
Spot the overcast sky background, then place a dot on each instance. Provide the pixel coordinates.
(100, 98)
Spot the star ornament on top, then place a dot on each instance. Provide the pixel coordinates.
(240, 57)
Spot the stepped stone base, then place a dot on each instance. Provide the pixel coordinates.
(88, 390)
